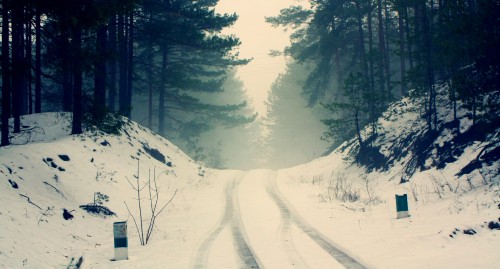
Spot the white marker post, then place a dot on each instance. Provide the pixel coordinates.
(121, 241)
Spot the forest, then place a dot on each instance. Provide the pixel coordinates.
(90, 57)
(347, 62)
(365, 54)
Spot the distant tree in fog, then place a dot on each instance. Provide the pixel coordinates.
(367, 53)
(294, 129)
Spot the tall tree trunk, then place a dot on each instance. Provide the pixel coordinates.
(130, 65)
(361, 36)
(112, 64)
(426, 41)
(28, 98)
(364, 62)
(99, 109)
(358, 128)
(387, 62)
(17, 64)
(474, 109)
(441, 35)
(401, 32)
(381, 48)
(373, 117)
(150, 78)
(432, 69)
(163, 89)
(452, 16)
(123, 61)
(408, 38)
(340, 73)
(454, 101)
(77, 78)
(337, 62)
(66, 62)
(6, 87)
(38, 61)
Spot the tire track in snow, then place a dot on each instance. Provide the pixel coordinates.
(331, 248)
(285, 235)
(245, 252)
(287, 240)
(230, 217)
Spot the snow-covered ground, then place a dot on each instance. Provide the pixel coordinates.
(292, 218)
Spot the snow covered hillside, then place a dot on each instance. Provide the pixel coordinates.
(451, 178)
(338, 211)
(47, 172)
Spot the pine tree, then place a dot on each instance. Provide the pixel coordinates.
(293, 129)
(185, 55)
(352, 110)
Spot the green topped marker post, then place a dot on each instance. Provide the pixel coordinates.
(402, 206)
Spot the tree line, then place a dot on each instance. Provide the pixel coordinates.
(90, 57)
(290, 123)
(367, 53)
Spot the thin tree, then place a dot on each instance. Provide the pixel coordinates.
(122, 62)
(99, 108)
(38, 59)
(76, 46)
(17, 63)
(401, 34)
(382, 50)
(163, 89)
(27, 97)
(112, 63)
(6, 87)
(130, 64)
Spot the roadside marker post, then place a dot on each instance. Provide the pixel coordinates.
(121, 241)
(402, 206)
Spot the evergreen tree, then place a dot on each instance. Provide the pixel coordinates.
(333, 37)
(90, 48)
(351, 110)
(434, 42)
(192, 59)
(236, 145)
(293, 129)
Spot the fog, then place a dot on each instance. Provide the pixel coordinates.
(272, 140)
(257, 39)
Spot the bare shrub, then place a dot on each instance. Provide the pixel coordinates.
(317, 180)
(153, 197)
(369, 186)
(413, 189)
(339, 188)
(471, 184)
(437, 185)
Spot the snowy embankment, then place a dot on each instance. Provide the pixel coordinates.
(454, 216)
(303, 217)
(47, 171)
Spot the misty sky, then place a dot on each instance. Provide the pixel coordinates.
(258, 38)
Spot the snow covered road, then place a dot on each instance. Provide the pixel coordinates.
(230, 220)
(289, 218)
(260, 229)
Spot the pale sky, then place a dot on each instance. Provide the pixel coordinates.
(258, 38)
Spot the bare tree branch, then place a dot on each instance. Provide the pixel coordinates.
(29, 201)
(135, 222)
(154, 197)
